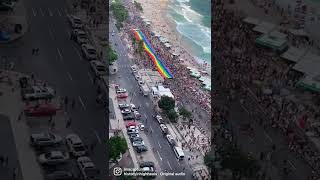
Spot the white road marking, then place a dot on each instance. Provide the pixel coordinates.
(147, 104)
(33, 12)
(90, 77)
(81, 102)
(159, 144)
(50, 13)
(178, 161)
(41, 12)
(59, 12)
(145, 116)
(60, 55)
(268, 137)
(51, 34)
(159, 155)
(69, 75)
(97, 135)
(293, 167)
(169, 165)
(151, 129)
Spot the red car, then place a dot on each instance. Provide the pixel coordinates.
(132, 123)
(122, 95)
(40, 110)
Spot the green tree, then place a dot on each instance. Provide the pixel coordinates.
(111, 55)
(117, 146)
(185, 113)
(138, 6)
(120, 13)
(241, 164)
(172, 115)
(166, 103)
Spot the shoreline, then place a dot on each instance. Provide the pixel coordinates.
(163, 24)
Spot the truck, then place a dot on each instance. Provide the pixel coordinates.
(144, 89)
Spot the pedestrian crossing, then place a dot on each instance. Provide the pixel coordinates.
(49, 12)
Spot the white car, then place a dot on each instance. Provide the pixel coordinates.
(75, 145)
(159, 119)
(132, 131)
(164, 128)
(87, 169)
(125, 111)
(75, 22)
(170, 140)
(98, 68)
(133, 107)
(137, 77)
(53, 158)
(89, 52)
(137, 115)
(134, 69)
(45, 139)
(121, 90)
(137, 143)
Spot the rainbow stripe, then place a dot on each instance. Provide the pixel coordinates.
(162, 69)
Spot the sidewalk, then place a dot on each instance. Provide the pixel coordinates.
(8, 21)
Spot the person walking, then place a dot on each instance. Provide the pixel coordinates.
(68, 123)
(15, 172)
(66, 102)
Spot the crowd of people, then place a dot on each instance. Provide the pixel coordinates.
(186, 89)
(251, 70)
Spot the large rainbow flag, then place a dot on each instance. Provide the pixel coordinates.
(162, 69)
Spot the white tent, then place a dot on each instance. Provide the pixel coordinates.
(309, 65)
(265, 27)
(298, 32)
(294, 54)
(252, 20)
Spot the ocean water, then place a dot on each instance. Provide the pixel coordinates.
(193, 22)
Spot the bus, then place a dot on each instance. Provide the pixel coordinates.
(178, 152)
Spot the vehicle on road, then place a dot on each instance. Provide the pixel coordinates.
(80, 36)
(113, 33)
(37, 92)
(60, 175)
(178, 152)
(137, 143)
(123, 106)
(134, 136)
(128, 117)
(134, 69)
(137, 77)
(132, 131)
(125, 111)
(88, 169)
(45, 139)
(75, 145)
(136, 139)
(89, 52)
(98, 68)
(121, 90)
(122, 95)
(159, 119)
(75, 22)
(141, 148)
(164, 129)
(147, 166)
(41, 110)
(133, 107)
(170, 140)
(53, 158)
(144, 88)
(137, 115)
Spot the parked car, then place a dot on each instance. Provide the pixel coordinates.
(159, 119)
(87, 169)
(136, 139)
(133, 107)
(164, 128)
(125, 111)
(40, 110)
(170, 140)
(75, 145)
(137, 143)
(80, 36)
(134, 69)
(147, 166)
(134, 136)
(45, 139)
(89, 52)
(141, 148)
(53, 158)
(122, 95)
(60, 175)
(137, 115)
(128, 117)
(123, 106)
(37, 92)
(121, 90)
(132, 131)
(75, 22)
(24, 82)
(98, 68)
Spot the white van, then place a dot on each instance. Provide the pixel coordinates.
(178, 152)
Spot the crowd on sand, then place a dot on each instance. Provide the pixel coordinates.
(258, 73)
(185, 88)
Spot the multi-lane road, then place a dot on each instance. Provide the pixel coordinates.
(162, 150)
(60, 64)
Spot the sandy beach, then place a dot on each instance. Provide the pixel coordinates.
(156, 12)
